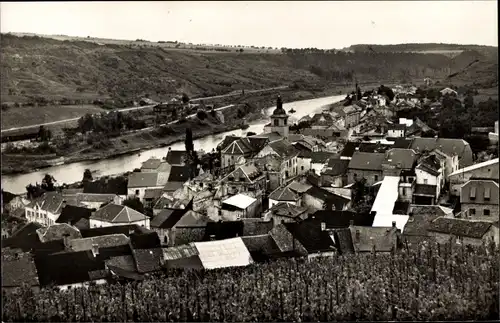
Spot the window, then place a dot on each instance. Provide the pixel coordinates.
(486, 212)
(487, 193)
(473, 193)
(136, 192)
(302, 167)
(276, 122)
(404, 191)
(425, 181)
(376, 178)
(473, 211)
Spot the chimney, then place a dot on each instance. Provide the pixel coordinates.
(95, 249)
(357, 235)
(393, 224)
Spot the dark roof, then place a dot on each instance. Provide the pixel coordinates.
(49, 201)
(26, 230)
(328, 197)
(342, 219)
(425, 189)
(27, 239)
(148, 260)
(373, 147)
(402, 143)
(464, 228)
(257, 226)
(16, 272)
(350, 148)
(283, 194)
(367, 161)
(401, 208)
(396, 126)
(337, 167)
(223, 230)
(114, 185)
(402, 158)
(168, 218)
(152, 163)
(343, 240)
(310, 235)
(175, 157)
(67, 268)
(179, 174)
(7, 197)
(428, 169)
(261, 247)
(380, 238)
(421, 218)
(145, 240)
(284, 209)
(117, 229)
(321, 157)
(72, 214)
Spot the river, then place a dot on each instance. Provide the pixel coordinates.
(70, 173)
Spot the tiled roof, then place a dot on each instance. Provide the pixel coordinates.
(337, 167)
(126, 262)
(463, 228)
(178, 252)
(285, 240)
(50, 201)
(422, 217)
(151, 163)
(252, 227)
(284, 209)
(321, 157)
(57, 232)
(261, 247)
(342, 219)
(367, 161)
(283, 148)
(168, 218)
(396, 126)
(226, 142)
(402, 158)
(283, 194)
(381, 238)
(72, 214)
(193, 219)
(238, 147)
(148, 260)
(106, 241)
(449, 146)
(223, 230)
(27, 239)
(172, 186)
(175, 157)
(91, 197)
(251, 171)
(428, 169)
(425, 189)
(153, 193)
(16, 272)
(299, 187)
(142, 180)
(118, 214)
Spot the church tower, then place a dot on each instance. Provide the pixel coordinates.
(279, 119)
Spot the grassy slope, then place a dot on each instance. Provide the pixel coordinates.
(79, 69)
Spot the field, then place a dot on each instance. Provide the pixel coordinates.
(27, 116)
(428, 283)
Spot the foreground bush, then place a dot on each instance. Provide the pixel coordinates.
(446, 283)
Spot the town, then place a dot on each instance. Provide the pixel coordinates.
(352, 179)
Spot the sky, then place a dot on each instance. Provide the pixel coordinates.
(292, 24)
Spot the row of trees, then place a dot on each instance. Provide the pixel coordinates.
(112, 122)
(427, 283)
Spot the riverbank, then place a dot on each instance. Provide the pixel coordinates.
(134, 143)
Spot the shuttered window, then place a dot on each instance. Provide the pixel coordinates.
(473, 193)
(487, 193)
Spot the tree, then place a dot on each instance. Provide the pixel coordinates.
(87, 176)
(185, 98)
(44, 134)
(135, 204)
(387, 91)
(188, 142)
(48, 182)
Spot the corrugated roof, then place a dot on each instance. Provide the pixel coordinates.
(240, 201)
(223, 253)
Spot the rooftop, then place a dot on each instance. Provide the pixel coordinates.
(458, 227)
(175, 157)
(367, 161)
(283, 194)
(223, 253)
(240, 201)
(118, 214)
(476, 166)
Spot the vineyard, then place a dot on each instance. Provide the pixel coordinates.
(450, 282)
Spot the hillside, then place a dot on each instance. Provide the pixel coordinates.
(83, 70)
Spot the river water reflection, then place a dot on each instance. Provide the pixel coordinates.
(71, 173)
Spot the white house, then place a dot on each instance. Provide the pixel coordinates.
(286, 152)
(45, 209)
(115, 215)
(238, 207)
(138, 183)
(484, 170)
(396, 130)
(430, 171)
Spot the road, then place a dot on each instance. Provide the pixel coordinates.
(147, 107)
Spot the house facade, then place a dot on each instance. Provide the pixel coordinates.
(117, 215)
(485, 170)
(459, 231)
(46, 209)
(239, 207)
(366, 165)
(138, 183)
(479, 200)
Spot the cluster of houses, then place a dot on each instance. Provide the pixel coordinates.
(277, 194)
